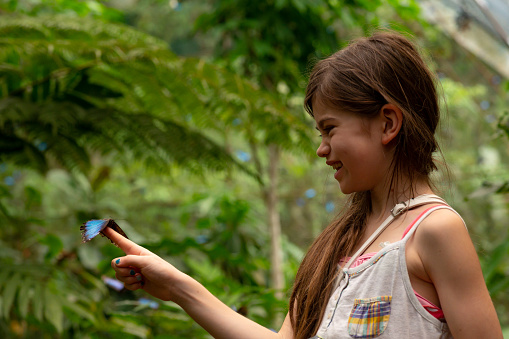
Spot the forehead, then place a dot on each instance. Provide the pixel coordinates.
(323, 112)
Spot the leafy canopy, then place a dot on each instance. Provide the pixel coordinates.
(72, 87)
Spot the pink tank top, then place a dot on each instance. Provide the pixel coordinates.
(434, 310)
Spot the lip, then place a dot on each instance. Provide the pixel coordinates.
(337, 173)
(333, 164)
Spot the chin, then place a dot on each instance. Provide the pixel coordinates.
(346, 190)
(349, 189)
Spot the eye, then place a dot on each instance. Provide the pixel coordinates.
(326, 130)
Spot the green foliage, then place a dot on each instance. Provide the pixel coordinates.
(475, 143)
(495, 269)
(65, 91)
(271, 41)
(209, 239)
(91, 8)
(33, 294)
(275, 42)
(82, 87)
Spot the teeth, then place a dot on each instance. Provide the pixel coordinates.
(337, 166)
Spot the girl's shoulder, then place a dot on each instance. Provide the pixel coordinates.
(442, 233)
(440, 223)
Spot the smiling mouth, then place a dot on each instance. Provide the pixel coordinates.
(337, 166)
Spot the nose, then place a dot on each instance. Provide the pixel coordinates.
(323, 149)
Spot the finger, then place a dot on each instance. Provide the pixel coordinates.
(125, 244)
(126, 272)
(135, 286)
(138, 278)
(135, 262)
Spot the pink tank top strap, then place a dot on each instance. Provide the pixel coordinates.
(417, 219)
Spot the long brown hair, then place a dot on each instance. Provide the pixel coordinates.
(361, 78)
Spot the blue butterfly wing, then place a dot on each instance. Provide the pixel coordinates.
(92, 228)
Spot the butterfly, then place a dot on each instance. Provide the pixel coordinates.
(92, 228)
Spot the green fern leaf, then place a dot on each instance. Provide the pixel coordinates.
(80, 311)
(38, 301)
(9, 293)
(24, 296)
(53, 309)
(4, 275)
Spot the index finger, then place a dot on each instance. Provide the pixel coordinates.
(123, 243)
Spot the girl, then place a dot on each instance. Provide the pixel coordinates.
(398, 262)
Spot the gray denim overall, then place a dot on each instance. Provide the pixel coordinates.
(376, 299)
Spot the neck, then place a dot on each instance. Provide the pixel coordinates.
(382, 202)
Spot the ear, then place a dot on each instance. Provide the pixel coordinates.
(392, 120)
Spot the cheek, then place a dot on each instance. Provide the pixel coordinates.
(375, 166)
(367, 158)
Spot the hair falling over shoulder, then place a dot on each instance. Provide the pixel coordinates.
(369, 73)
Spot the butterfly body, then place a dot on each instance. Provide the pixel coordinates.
(92, 228)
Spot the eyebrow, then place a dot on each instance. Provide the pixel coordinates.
(322, 122)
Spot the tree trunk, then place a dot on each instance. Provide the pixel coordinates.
(271, 201)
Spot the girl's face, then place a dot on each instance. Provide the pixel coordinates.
(352, 146)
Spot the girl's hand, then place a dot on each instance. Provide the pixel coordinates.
(141, 268)
(165, 282)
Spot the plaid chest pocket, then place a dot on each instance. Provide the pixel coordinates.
(369, 317)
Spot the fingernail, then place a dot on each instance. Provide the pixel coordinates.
(117, 262)
(132, 272)
(138, 277)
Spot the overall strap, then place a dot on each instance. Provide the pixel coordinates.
(395, 212)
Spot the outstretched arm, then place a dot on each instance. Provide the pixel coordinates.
(451, 262)
(141, 268)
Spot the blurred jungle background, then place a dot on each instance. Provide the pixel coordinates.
(183, 121)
